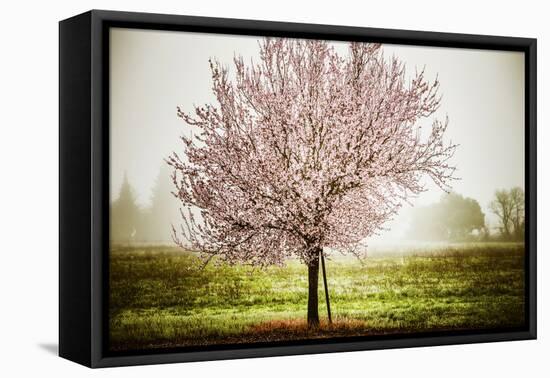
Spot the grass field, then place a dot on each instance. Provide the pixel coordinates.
(159, 296)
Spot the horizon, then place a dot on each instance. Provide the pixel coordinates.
(152, 72)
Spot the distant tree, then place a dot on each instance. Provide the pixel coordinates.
(485, 233)
(453, 218)
(125, 215)
(164, 210)
(303, 150)
(462, 216)
(517, 196)
(509, 207)
(502, 207)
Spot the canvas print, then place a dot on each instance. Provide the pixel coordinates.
(280, 190)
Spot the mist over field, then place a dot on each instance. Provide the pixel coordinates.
(153, 72)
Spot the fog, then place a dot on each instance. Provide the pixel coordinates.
(153, 72)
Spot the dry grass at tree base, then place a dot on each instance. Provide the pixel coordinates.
(160, 299)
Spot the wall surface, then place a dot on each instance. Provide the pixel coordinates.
(29, 190)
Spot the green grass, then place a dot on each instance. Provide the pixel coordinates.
(159, 296)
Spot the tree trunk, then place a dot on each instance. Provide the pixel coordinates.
(313, 299)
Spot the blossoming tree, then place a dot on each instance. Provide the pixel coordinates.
(305, 150)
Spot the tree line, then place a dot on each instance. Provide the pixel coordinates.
(459, 218)
(131, 223)
(453, 218)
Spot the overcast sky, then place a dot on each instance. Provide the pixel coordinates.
(153, 72)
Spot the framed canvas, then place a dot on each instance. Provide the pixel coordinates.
(235, 188)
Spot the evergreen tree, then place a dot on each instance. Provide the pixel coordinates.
(164, 210)
(125, 215)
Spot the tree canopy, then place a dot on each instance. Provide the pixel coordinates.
(305, 149)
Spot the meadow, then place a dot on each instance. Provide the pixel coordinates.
(162, 297)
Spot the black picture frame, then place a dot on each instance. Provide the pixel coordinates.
(84, 183)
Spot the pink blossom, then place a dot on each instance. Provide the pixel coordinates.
(305, 149)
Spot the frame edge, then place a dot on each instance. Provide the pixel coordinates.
(97, 59)
(74, 194)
